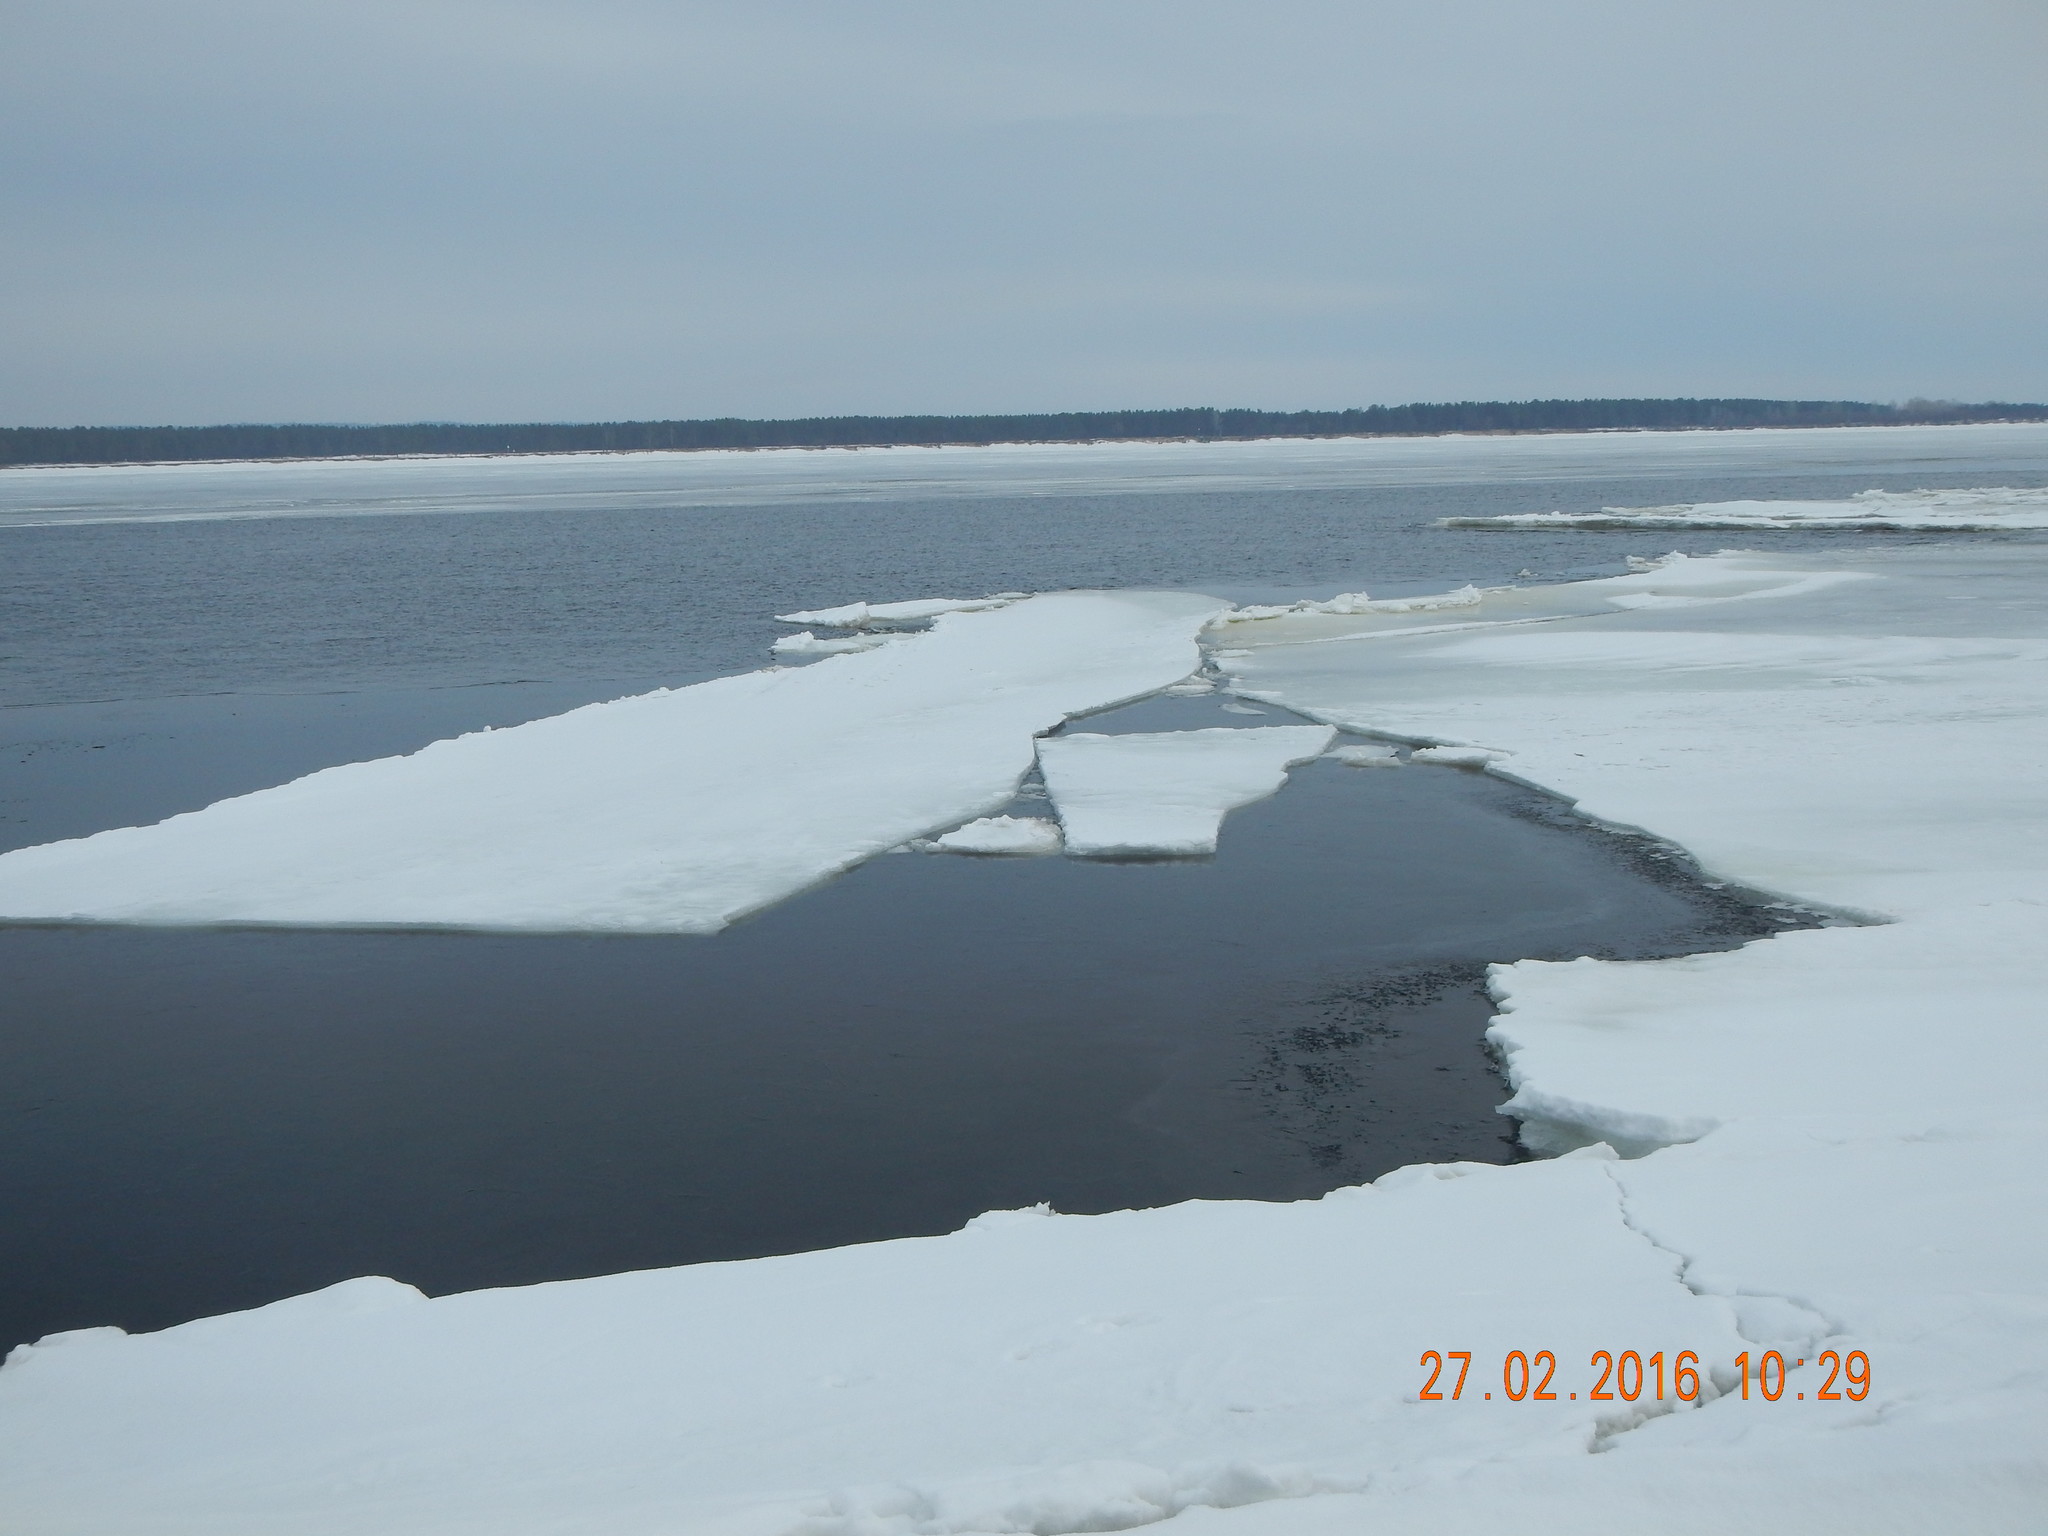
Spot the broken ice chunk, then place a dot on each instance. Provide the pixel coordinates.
(892, 615)
(1457, 757)
(804, 643)
(1001, 835)
(1365, 756)
(1166, 794)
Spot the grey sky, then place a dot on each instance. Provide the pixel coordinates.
(471, 209)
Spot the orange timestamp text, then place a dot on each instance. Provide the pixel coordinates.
(1629, 1376)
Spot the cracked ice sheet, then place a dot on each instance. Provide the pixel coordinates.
(674, 811)
(1165, 794)
(1031, 1372)
(1859, 1107)
(1869, 1167)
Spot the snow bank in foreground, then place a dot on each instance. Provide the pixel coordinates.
(1030, 1373)
(675, 811)
(1834, 1143)
(1973, 511)
(1838, 1131)
(1166, 794)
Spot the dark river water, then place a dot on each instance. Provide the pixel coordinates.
(193, 1121)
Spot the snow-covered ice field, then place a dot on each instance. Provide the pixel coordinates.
(52, 495)
(1827, 1141)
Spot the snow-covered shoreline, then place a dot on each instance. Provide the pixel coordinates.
(1830, 1138)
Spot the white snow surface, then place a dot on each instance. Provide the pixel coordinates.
(674, 811)
(1164, 794)
(1832, 1140)
(1984, 510)
(1001, 834)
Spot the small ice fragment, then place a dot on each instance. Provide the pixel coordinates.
(1001, 834)
(1457, 757)
(1344, 602)
(804, 643)
(1467, 596)
(1364, 757)
(1237, 707)
(1190, 687)
(892, 615)
(851, 616)
(1978, 509)
(1351, 604)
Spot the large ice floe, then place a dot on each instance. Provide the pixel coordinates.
(1985, 510)
(674, 811)
(1821, 1149)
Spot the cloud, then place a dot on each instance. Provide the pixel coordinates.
(478, 210)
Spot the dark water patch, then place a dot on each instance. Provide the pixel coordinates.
(196, 1121)
(1338, 1072)
(69, 770)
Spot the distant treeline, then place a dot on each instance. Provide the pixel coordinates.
(130, 445)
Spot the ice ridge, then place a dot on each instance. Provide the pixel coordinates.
(1987, 509)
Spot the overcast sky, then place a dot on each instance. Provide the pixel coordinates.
(387, 210)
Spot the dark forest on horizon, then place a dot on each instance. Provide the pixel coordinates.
(132, 445)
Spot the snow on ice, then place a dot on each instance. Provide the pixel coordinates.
(674, 811)
(1000, 834)
(1347, 603)
(905, 615)
(1165, 794)
(483, 484)
(1972, 511)
(1365, 756)
(1826, 1140)
(804, 643)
